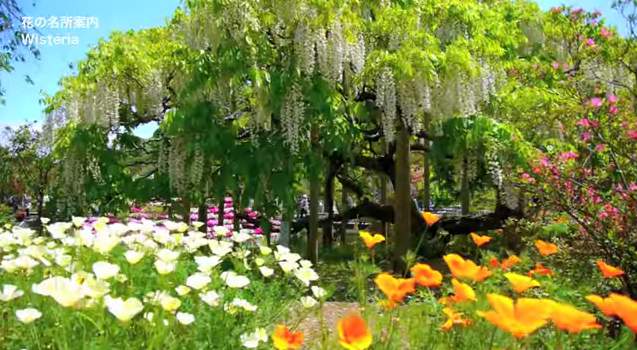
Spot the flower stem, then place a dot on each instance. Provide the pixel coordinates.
(391, 328)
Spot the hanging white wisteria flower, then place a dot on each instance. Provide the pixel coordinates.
(386, 100)
(292, 115)
(304, 48)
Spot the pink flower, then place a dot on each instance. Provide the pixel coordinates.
(583, 123)
(632, 134)
(586, 136)
(613, 110)
(632, 187)
(594, 123)
(577, 11)
(526, 176)
(590, 42)
(535, 66)
(605, 32)
(565, 65)
(594, 23)
(612, 98)
(556, 9)
(600, 148)
(513, 137)
(568, 155)
(556, 65)
(596, 102)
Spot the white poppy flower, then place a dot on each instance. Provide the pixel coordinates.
(318, 292)
(207, 263)
(266, 271)
(233, 280)
(198, 280)
(164, 267)
(182, 290)
(123, 310)
(211, 298)
(133, 256)
(28, 315)
(185, 318)
(104, 270)
(10, 292)
(306, 274)
(308, 302)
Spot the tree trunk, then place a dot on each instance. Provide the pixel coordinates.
(186, 210)
(426, 174)
(267, 230)
(203, 216)
(344, 206)
(220, 214)
(236, 201)
(284, 234)
(402, 199)
(329, 206)
(312, 243)
(464, 190)
(383, 189)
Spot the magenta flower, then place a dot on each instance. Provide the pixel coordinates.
(605, 32)
(633, 187)
(612, 98)
(596, 102)
(556, 65)
(583, 123)
(632, 134)
(586, 136)
(600, 148)
(590, 42)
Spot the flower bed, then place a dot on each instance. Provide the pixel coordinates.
(144, 285)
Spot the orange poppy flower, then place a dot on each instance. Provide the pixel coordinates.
(453, 318)
(605, 305)
(521, 283)
(460, 267)
(430, 218)
(353, 333)
(509, 262)
(283, 339)
(482, 274)
(462, 292)
(494, 262)
(480, 240)
(545, 248)
(540, 270)
(626, 309)
(426, 276)
(568, 318)
(371, 241)
(520, 320)
(396, 289)
(499, 231)
(607, 270)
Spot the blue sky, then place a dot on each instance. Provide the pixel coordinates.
(22, 98)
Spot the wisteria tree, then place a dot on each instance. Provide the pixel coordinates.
(256, 94)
